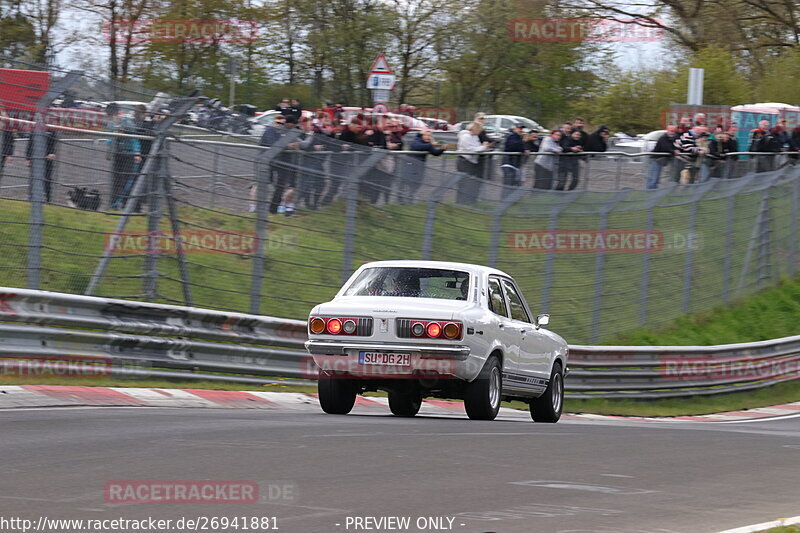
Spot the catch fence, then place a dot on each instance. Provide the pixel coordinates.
(201, 220)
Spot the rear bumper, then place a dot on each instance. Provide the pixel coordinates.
(424, 351)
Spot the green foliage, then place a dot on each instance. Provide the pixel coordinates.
(780, 81)
(724, 83)
(767, 315)
(632, 100)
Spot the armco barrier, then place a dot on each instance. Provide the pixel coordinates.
(153, 340)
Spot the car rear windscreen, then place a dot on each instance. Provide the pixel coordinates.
(411, 282)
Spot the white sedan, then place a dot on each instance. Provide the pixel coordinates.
(427, 328)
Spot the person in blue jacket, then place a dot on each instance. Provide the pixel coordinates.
(512, 166)
(125, 154)
(414, 164)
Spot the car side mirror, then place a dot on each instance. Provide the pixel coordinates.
(542, 320)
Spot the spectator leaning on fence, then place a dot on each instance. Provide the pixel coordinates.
(6, 140)
(723, 164)
(312, 181)
(569, 166)
(469, 141)
(666, 146)
(51, 145)
(704, 162)
(546, 163)
(271, 134)
(763, 139)
(414, 164)
(689, 153)
(512, 166)
(577, 125)
(125, 154)
(598, 140)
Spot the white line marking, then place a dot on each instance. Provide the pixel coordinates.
(765, 525)
(765, 419)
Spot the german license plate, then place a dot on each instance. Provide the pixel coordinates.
(384, 358)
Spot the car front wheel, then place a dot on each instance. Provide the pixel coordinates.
(482, 396)
(548, 406)
(337, 394)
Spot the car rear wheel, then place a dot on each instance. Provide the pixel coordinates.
(337, 394)
(482, 396)
(404, 402)
(548, 406)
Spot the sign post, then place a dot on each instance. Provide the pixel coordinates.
(695, 92)
(381, 80)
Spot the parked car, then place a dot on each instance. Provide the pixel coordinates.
(429, 328)
(435, 123)
(640, 143)
(261, 121)
(493, 133)
(504, 123)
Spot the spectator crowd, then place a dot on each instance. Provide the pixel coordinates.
(690, 152)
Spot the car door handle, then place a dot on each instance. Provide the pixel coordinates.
(501, 326)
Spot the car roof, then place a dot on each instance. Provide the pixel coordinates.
(472, 268)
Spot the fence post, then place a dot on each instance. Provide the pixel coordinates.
(689, 263)
(599, 267)
(497, 214)
(727, 265)
(263, 171)
(153, 197)
(793, 228)
(38, 171)
(176, 229)
(215, 170)
(645, 287)
(755, 240)
(547, 281)
(161, 132)
(351, 210)
(430, 217)
(765, 240)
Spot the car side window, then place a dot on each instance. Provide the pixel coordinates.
(506, 124)
(497, 302)
(518, 311)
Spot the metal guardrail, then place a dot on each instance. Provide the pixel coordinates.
(87, 335)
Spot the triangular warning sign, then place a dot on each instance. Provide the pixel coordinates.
(380, 66)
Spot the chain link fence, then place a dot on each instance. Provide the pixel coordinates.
(220, 222)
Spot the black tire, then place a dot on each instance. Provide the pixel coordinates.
(405, 402)
(482, 396)
(337, 395)
(548, 406)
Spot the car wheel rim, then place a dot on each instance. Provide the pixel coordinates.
(494, 388)
(557, 388)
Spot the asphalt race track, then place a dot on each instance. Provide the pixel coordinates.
(318, 473)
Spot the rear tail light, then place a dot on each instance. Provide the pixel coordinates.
(451, 330)
(340, 326)
(334, 326)
(316, 325)
(432, 329)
